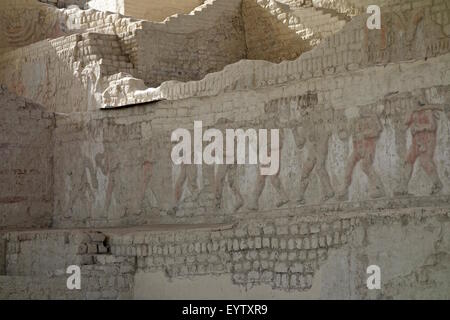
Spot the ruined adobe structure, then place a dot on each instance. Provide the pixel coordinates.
(88, 103)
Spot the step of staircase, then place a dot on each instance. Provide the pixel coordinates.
(318, 22)
(106, 50)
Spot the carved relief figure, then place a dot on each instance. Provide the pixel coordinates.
(423, 125)
(270, 121)
(188, 172)
(409, 24)
(109, 168)
(313, 133)
(147, 174)
(400, 38)
(83, 184)
(396, 107)
(16, 82)
(366, 130)
(225, 171)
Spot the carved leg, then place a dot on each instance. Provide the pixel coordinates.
(276, 182)
(218, 184)
(260, 183)
(324, 178)
(192, 181)
(234, 186)
(407, 170)
(89, 193)
(353, 160)
(322, 172)
(74, 196)
(179, 184)
(428, 165)
(427, 162)
(376, 188)
(304, 180)
(109, 191)
(400, 140)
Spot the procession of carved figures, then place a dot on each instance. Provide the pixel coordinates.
(23, 25)
(143, 179)
(312, 127)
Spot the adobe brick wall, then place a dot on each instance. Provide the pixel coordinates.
(26, 169)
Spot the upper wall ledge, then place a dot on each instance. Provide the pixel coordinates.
(355, 47)
(411, 30)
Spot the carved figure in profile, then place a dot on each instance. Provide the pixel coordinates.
(110, 168)
(147, 175)
(227, 172)
(270, 121)
(83, 184)
(365, 131)
(313, 133)
(422, 122)
(397, 105)
(188, 172)
(402, 36)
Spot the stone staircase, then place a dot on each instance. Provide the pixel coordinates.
(316, 20)
(87, 48)
(104, 49)
(310, 23)
(210, 10)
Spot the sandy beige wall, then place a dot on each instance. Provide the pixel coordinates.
(277, 257)
(130, 178)
(26, 169)
(160, 9)
(412, 253)
(267, 38)
(189, 47)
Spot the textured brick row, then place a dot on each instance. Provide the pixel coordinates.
(283, 254)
